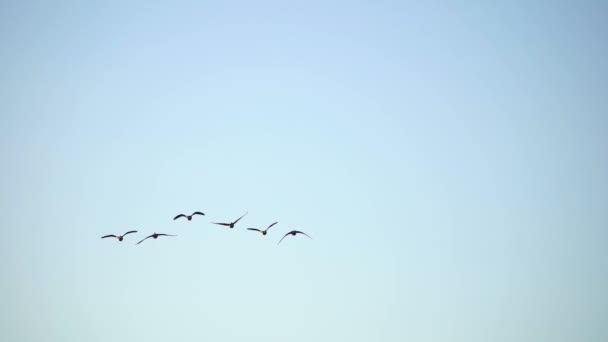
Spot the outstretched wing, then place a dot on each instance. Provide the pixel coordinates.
(283, 238)
(178, 216)
(129, 232)
(271, 225)
(299, 232)
(240, 218)
(257, 230)
(144, 239)
(198, 213)
(165, 235)
(222, 224)
(107, 236)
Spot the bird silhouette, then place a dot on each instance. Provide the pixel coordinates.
(231, 224)
(154, 236)
(293, 232)
(189, 217)
(265, 231)
(119, 237)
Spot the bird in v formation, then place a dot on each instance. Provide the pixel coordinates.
(189, 217)
(231, 224)
(154, 236)
(294, 233)
(265, 231)
(119, 237)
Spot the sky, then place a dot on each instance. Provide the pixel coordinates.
(448, 160)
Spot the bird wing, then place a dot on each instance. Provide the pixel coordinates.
(271, 225)
(178, 216)
(165, 235)
(257, 230)
(284, 236)
(198, 213)
(147, 237)
(299, 232)
(129, 232)
(237, 220)
(107, 236)
(222, 224)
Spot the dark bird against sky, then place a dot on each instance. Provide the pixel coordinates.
(119, 237)
(154, 236)
(231, 224)
(262, 231)
(293, 232)
(189, 217)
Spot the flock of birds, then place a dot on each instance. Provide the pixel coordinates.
(189, 218)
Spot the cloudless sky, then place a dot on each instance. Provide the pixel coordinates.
(449, 160)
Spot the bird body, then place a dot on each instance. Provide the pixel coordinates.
(119, 237)
(189, 217)
(294, 233)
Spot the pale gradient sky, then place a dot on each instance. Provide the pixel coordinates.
(449, 160)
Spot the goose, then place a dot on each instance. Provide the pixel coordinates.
(265, 231)
(231, 224)
(189, 217)
(119, 237)
(293, 232)
(154, 236)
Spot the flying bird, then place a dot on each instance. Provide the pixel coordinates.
(189, 217)
(119, 237)
(293, 232)
(231, 224)
(262, 231)
(154, 236)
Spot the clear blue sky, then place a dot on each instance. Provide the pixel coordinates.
(448, 159)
